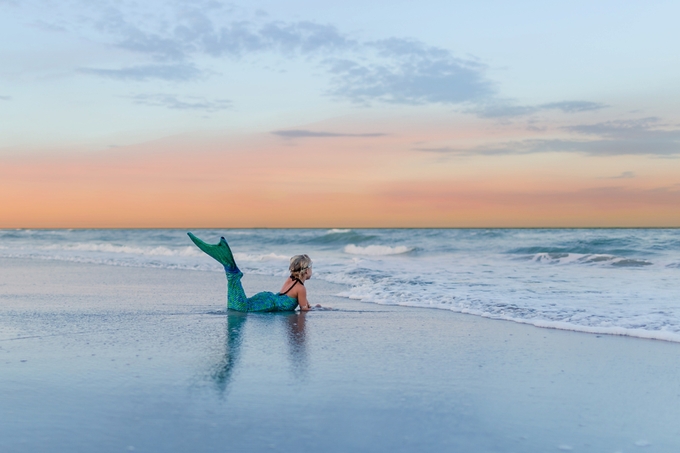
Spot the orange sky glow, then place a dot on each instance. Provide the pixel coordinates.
(261, 180)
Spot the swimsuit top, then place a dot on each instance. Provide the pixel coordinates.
(295, 282)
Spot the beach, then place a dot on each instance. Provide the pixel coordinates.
(112, 359)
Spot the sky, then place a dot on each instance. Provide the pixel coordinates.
(117, 113)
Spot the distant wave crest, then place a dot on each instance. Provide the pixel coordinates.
(340, 237)
(376, 250)
(578, 258)
(260, 257)
(123, 249)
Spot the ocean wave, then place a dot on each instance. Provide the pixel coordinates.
(576, 320)
(488, 233)
(338, 231)
(122, 249)
(259, 257)
(619, 246)
(592, 259)
(376, 250)
(125, 261)
(629, 262)
(335, 237)
(650, 334)
(666, 245)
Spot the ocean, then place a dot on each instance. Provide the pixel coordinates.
(602, 281)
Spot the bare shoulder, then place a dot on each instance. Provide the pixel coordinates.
(293, 289)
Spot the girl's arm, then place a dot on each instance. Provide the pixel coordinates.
(302, 299)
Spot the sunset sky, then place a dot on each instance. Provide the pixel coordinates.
(339, 114)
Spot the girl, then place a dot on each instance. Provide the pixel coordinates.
(293, 291)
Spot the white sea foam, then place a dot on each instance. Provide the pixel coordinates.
(618, 282)
(123, 249)
(580, 258)
(338, 231)
(260, 257)
(376, 250)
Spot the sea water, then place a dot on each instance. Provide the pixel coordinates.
(607, 281)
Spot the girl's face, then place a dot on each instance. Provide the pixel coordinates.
(309, 272)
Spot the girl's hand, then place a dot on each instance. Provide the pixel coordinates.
(315, 307)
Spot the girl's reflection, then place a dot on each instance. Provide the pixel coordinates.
(223, 371)
(296, 343)
(295, 326)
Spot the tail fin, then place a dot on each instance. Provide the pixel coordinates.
(221, 252)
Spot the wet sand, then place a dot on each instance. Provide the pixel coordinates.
(114, 359)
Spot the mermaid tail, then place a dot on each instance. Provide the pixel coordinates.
(236, 297)
(221, 252)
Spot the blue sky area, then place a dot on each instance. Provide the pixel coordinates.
(109, 73)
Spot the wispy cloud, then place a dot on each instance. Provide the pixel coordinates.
(573, 106)
(301, 133)
(174, 37)
(188, 103)
(174, 72)
(508, 109)
(5, 98)
(194, 29)
(623, 175)
(404, 71)
(627, 137)
(639, 136)
(394, 70)
(629, 129)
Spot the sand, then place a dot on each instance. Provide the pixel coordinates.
(114, 359)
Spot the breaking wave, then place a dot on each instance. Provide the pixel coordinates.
(377, 250)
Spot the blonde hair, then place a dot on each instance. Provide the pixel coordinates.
(298, 265)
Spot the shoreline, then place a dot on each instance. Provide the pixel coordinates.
(330, 289)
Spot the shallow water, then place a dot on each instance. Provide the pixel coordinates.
(115, 359)
(616, 281)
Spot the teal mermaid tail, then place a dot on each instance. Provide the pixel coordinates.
(221, 252)
(236, 297)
